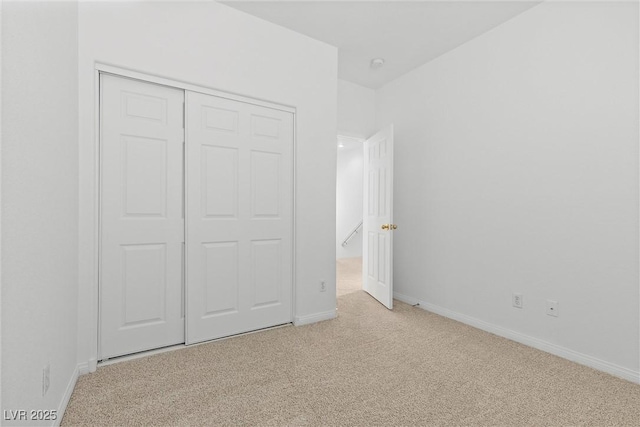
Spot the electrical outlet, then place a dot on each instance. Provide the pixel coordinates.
(46, 381)
(517, 300)
(552, 308)
(323, 286)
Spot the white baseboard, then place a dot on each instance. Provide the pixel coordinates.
(67, 394)
(565, 353)
(313, 318)
(93, 364)
(83, 368)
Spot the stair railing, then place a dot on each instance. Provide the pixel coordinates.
(353, 232)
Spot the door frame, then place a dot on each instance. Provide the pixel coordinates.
(101, 68)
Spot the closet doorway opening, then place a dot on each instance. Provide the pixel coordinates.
(196, 225)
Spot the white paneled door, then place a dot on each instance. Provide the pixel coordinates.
(142, 221)
(239, 203)
(378, 226)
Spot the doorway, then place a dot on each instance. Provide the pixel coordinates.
(364, 193)
(349, 209)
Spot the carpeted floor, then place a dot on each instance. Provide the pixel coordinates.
(370, 366)
(349, 275)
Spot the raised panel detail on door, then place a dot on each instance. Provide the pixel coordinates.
(372, 200)
(266, 267)
(220, 261)
(219, 181)
(144, 284)
(266, 126)
(381, 252)
(140, 106)
(141, 216)
(382, 192)
(265, 184)
(145, 176)
(220, 119)
(239, 163)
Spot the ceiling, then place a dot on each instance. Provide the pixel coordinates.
(406, 34)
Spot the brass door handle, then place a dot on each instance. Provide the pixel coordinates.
(389, 226)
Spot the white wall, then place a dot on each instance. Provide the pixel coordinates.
(517, 171)
(356, 110)
(349, 201)
(215, 46)
(39, 202)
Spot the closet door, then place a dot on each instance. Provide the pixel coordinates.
(142, 221)
(239, 217)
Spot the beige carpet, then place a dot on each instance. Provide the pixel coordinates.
(370, 366)
(349, 272)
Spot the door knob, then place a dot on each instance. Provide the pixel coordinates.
(393, 226)
(385, 226)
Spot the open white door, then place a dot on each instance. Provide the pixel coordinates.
(377, 236)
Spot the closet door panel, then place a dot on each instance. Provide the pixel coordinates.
(239, 206)
(141, 216)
